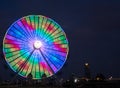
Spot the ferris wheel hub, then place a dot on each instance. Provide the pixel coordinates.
(37, 44)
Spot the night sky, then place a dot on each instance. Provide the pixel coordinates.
(92, 28)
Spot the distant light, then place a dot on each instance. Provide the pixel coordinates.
(110, 78)
(68, 80)
(37, 44)
(97, 78)
(86, 64)
(75, 80)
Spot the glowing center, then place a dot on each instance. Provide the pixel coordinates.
(37, 44)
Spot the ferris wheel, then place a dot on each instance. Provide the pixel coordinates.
(35, 44)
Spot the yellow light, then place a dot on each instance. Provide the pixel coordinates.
(97, 78)
(86, 64)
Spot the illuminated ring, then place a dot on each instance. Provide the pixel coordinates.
(35, 44)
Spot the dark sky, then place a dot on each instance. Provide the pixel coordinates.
(92, 28)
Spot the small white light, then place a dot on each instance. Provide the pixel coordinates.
(37, 44)
(75, 80)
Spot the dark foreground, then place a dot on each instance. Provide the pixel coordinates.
(66, 84)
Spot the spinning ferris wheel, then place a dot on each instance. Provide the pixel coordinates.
(35, 44)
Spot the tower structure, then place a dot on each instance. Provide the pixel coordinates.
(87, 70)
